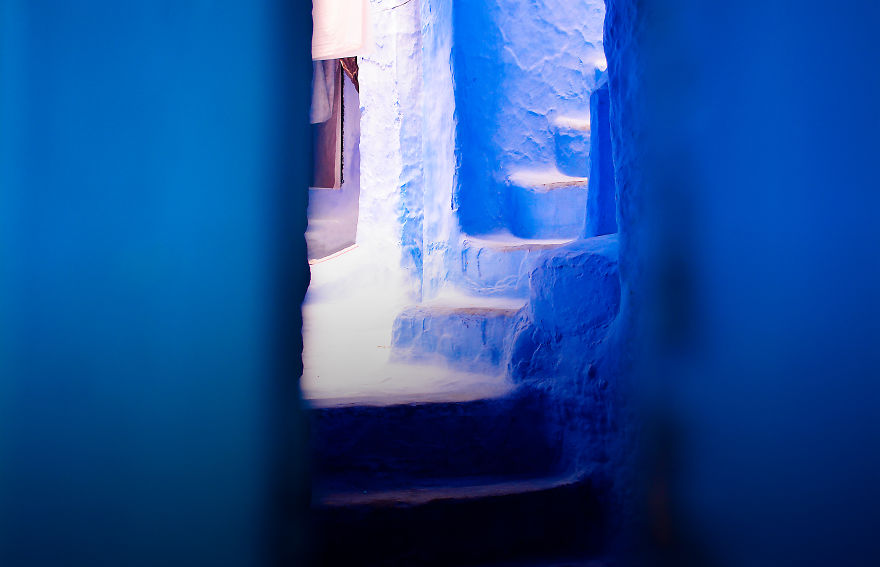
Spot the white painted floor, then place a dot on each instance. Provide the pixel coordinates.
(347, 320)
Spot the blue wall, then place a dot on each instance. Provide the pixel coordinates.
(744, 150)
(438, 137)
(602, 195)
(152, 202)
(517, 65)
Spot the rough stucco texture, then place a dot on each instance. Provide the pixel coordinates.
(563, 344)
(518, 65)
(438, 144)
(575, 338)
(602, 195)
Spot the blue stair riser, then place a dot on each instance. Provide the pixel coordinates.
(467, 531)
(497, 273)
(368, 447)
(468, 339)
(555, 213)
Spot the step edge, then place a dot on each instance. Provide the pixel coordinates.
(557, 180)
(413, 497)
(418, 310)
(385, 400)
(573, 123)
(497, 246)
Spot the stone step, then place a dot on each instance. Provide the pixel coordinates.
(466, 332)
(366, 383)
(547, 204)
(458, 523)
(499, 264)
(571, 136)
(361, 448)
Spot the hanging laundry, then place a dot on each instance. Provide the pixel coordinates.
(325, 76)
(326, 119)
(340, 28)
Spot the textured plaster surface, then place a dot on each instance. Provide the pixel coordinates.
(602, 195)
(574, 299)
(518, 67)
(610, 442)
(379, 222)
(571, 137)
(499, 264)
(439, 123)
(546, 204)
(408, 45)
(565, 344)
(462, 331)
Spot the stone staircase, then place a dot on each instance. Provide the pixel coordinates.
(547, 204)
(446, 483)
(464, 480)
(459, 524)
(386, 447)
(469, 328)
(463, 332)
(498, 265)
(457, 480)
(551, 201)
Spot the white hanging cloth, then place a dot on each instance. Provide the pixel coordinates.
(340, 28)
(325, 75)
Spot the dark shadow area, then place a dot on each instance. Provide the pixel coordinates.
(746, 135)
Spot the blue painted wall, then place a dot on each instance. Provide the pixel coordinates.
(517, 65)
(153, 160)
(602, 194)
(439, 127)
(744, 145)
(728, 410)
